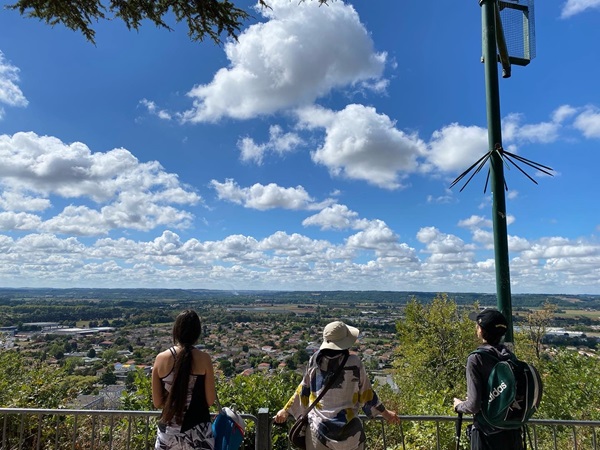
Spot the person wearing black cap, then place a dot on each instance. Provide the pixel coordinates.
(491, 326)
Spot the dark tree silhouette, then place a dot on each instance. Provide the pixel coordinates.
(212, 18)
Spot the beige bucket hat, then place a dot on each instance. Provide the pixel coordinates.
(339, 336)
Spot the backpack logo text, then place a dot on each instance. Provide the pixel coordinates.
(497, 391)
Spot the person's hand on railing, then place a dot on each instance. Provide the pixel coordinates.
(281, 416)
(390, 416)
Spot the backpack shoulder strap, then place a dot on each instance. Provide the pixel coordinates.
(329, 384)
(485, 352)
(494, 355)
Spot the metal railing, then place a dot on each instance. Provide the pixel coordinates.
(440, 434)
(85, 429)
(76, 429)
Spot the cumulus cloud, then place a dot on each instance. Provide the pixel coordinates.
(121, 192)
(278, 143)
(19, 221)
(455, 147)
(557, 247)
(475, 222)
(10, 93)
(362, 144)
(334, 217)
(264, 197)
(542, 132)
(573, 7)
(482, 235)
(562, 113)
(19, 201)
(296, 245)
(440, 245)
(479, 222)
(588, 122)
(293, 261)
(299, 54)
(377, 237)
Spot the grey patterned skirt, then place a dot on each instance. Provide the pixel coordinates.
(198, 437)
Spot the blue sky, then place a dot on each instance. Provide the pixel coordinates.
(315, 153)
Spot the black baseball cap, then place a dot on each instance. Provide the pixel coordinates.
(491, 320)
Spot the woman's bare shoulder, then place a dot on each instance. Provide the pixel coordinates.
(202, 355)
(163, 357)
(202, 360)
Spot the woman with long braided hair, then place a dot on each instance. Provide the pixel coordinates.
(183, 385)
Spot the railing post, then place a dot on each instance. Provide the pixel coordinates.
(263, 430)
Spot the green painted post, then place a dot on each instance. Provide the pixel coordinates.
(490, 58)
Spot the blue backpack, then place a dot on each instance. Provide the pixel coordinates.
(228, 429)
(512, 394)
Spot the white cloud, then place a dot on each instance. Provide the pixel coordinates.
(284, 244)
(558, 247)
(362, 144)
(438, 243)
(123, 192)
(47, 244)
(299, 54)
(484, 238)
(155, 110)
(279, 143)
(573, 7)
(376, 236)
(442, 199)
(19, 201)
(475, 222)
(588, 122)
(10, 93)
(544, 132)
(562, 113)
(518, 244)
(264, 197)
(334, 217)
(379, 238)
(294, 261)
(19, 221)
(455, 147)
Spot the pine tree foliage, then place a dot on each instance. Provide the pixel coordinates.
(212, 18)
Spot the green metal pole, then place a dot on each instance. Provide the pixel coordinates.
(490, 58)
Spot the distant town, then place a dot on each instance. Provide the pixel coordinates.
(111, 334)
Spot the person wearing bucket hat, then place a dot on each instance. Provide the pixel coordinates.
(491, 325)
(339, 336)
(334, 423)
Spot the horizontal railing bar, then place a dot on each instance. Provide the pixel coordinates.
(95, 412)
(91, 412)
(118, 412)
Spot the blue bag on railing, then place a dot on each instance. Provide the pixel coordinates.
(228, 429)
